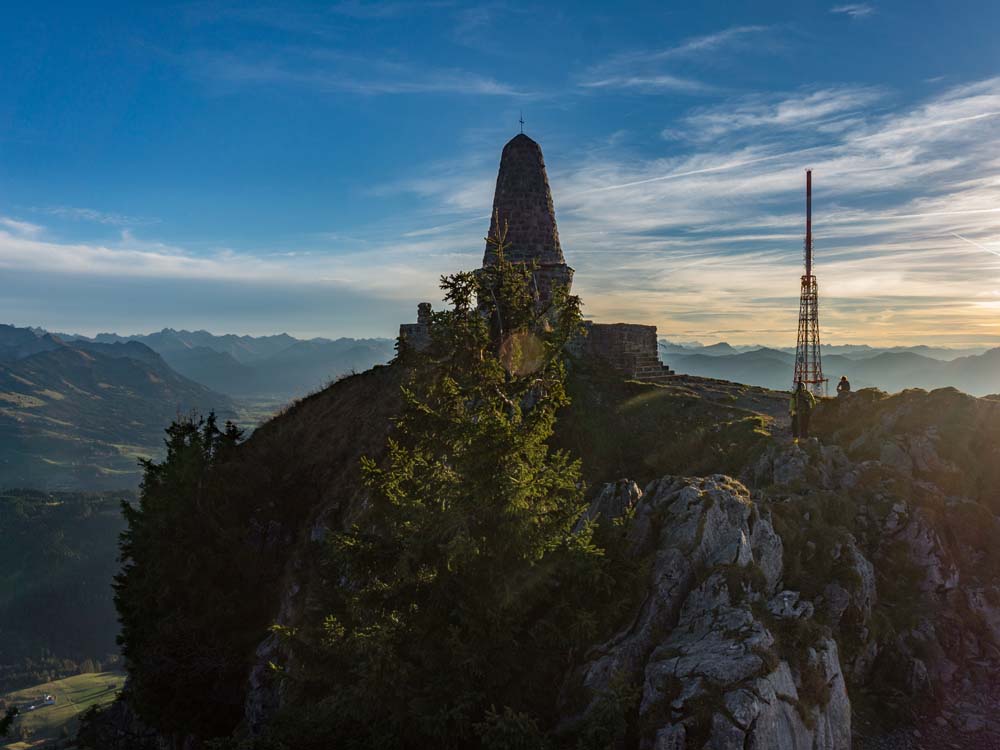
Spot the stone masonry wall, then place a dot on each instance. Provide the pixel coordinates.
(628, 347)
(417, 335)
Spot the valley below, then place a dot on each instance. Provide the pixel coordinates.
(79, 413)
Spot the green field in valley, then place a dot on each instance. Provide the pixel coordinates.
(73, 695)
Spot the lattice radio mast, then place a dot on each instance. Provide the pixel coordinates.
(808, 361)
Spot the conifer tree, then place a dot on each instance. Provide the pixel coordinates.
(456, 600)
(174, 552)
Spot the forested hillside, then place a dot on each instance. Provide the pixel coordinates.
(79, 415)
(58, 555)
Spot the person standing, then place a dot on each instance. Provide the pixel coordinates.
(800, 407)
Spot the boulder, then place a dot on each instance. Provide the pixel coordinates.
(705, 663)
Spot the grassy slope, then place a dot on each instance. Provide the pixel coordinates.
(618, 428)
(73, 695)
(625, 428)
(72, 419)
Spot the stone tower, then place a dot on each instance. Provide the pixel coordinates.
(524, 201)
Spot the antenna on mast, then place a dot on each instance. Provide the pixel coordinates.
(808, 359)
(809, 222)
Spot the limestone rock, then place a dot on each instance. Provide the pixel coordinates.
(705, 661)
(765, 544)
(823, 466)
(862, 593)
(985, 602)
(789, 606)
(613, 501)
(720, 645)
(929, 553)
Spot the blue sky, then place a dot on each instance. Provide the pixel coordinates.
(315, 167)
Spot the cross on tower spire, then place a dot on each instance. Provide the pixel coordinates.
(521, 120)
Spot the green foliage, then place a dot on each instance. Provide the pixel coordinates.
(7, 721)
(463, 586)
(510, 731)
(185, 585)
(74, 696)
(612, 718)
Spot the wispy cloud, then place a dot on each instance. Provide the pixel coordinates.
(827, 107)
(327, 20)
(93, 216)
(905, 203)
(324, 71)
(854, 10)
(23, 228)
(404, 266)
(661, 82)
(733, 38)
(702, 239)
(649, 70)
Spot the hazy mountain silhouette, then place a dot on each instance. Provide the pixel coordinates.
(893, 369)
(243, 349)
(279, 366)
(79, 413)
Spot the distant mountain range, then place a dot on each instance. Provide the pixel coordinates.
(854, 351)
(276, 367)
(77, 414)
(974, 371)
(77, 411)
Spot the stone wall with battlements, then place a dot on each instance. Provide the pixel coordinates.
(628, 347)
(417, 335)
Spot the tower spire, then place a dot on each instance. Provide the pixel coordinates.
(808, 360)
(522, 206)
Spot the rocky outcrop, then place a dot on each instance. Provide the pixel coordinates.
(719, 660)
(616, 499)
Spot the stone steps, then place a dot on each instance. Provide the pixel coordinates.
(657, 373)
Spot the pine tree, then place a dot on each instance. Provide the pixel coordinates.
(463, 587)
(174, 553)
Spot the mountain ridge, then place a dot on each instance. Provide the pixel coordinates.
(78, 414)
(891, 370)
(277, 366)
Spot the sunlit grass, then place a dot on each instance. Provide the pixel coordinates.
(73, 695)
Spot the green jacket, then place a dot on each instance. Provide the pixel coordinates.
(808, 401)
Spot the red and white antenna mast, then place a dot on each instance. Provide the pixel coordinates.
(808, 361)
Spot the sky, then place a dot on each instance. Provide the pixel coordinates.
(315, 168)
